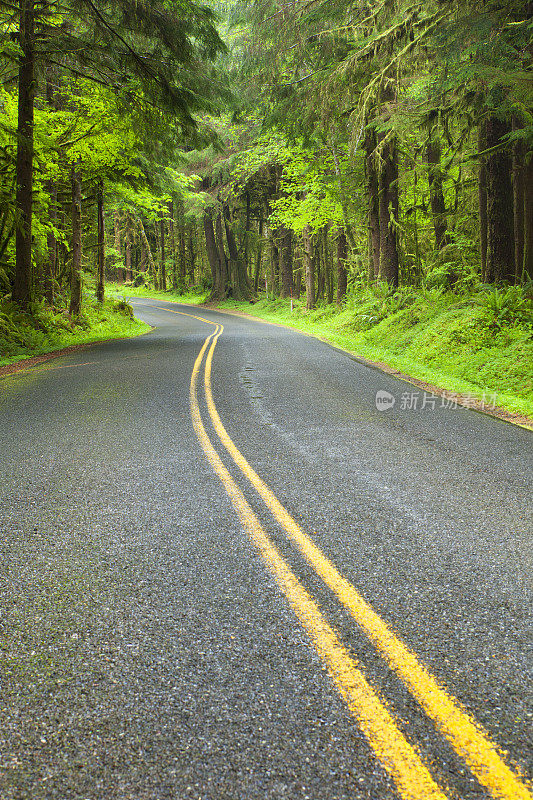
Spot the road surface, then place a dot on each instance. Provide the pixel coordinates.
(227, 574)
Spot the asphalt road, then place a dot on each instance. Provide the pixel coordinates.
(304, 597)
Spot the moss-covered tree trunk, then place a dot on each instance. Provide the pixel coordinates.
(342, 275)
(191, 260)
(51, 246)
(285, 247)
(223, 272)
(436, 191)
(75, 274)
(274, 261)
(500, 203)
(101, 241)
(163, 272)
(127, 248)
(258, 255)
(172, 246)
(215, 255)
(482, 202)
(372, 190)
(328, 264)
(24, 166)
(309, 267)
(246, 249)
(528, 218)
(240, 287)
(297, 275)
(318, 257)
(147, 251)
(117, 246)
(388, 200)
(182, 248)
(519, 152)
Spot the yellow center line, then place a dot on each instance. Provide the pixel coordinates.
(466, 736)
(397, 755)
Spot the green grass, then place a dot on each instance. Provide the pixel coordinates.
(42, 330)
(463, 344)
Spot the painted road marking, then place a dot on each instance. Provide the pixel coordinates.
(460, 729)
(397, 755)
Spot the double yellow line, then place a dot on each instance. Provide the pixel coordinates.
(399, 757)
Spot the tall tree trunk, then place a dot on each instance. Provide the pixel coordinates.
(212, 251)
(240, 285)
(127, 248)
(297, 277)
(24, 169)
(328, 266)
(147, 250)
(117, 245)
(319, 266)
(342, 275)
(372, 188)
(247, 235)
(223, 273)
(500, 217)
(192, 254)
(75, 279)
(482, 202)
(388, 214)
(528, 218)
(172, 245)
(519, 153)
(274, 261)
(163, 256)
(309, 266)
(215, 255)
(436, 193)
(182, 256)
(285, 246)
(51, 246)
(258, 256)
(101, 241)
(51, 189)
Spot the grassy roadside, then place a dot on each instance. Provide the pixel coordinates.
(43, 330)
(475, 344)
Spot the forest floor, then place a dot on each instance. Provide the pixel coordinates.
(478, 346)
(43, 330)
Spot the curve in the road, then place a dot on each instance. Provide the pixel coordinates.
(465, 735)
(398, 756)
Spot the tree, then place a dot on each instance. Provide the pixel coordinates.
(145, 51)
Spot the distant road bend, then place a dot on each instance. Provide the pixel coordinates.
(330, 601)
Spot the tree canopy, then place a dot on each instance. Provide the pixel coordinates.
(265, 146)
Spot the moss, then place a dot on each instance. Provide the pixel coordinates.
(42, 329)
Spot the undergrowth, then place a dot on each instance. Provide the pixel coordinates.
(41, 329)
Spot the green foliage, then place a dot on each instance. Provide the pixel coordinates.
(509, 306)
(41, 329)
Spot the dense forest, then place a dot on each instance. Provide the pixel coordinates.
(295, 149)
